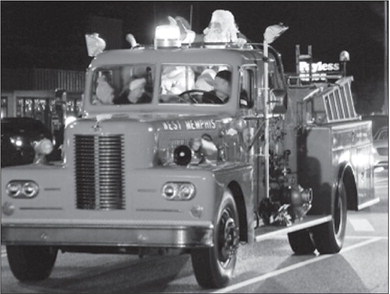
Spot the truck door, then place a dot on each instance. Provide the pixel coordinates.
(247, 96)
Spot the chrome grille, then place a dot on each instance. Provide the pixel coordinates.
(99, 162)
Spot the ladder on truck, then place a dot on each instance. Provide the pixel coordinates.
(338, 101)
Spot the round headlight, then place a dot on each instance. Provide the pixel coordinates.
(14, 189)
(30, 189)
(169, 191)
(45, 146)
(186, 191)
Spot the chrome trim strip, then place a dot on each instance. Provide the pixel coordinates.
(369, 203)
(41, 208)
(293, 228)
(89, 235)
(157, 210)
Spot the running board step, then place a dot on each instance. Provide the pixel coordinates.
(266, 232)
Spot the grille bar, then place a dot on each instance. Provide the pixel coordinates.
(99, 172)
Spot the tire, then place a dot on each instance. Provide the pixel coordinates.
(329, 237)
(301, 242)
(214, 267)
(31, 263)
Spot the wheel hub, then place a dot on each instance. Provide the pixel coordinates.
(228, 237)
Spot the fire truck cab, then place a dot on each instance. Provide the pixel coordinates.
(153, 163)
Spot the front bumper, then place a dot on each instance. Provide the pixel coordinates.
(92, 235)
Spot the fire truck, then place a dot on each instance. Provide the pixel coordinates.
(174, 171)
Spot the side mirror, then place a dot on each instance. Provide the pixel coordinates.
(278, 101)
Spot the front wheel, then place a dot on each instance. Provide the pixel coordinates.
(214, 267)
(329, 237)
(31, 263)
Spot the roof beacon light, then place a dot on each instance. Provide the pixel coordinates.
(344, 56)
(95, 44)
(167, 36)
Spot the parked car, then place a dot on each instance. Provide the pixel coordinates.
(18, 136)
(381, 146)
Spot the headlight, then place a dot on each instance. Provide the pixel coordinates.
(178, 191)
(43, 147)
(169, 191)
(186, 191)
(17, 141)
(14, 189)
(30, 189)
(22, 189)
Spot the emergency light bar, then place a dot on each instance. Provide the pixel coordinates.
(167, 36)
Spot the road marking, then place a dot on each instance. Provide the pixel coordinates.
(366, 237)
(291, 267)
(361, 225)
(352, 237)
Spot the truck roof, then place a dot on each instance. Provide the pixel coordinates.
(177, 55)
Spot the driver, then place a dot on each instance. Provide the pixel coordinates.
(222, 89)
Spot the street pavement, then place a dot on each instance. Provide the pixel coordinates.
(269, 266)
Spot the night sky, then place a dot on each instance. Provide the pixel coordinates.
(51, 34)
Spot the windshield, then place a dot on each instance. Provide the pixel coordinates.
(189, 84)
(206, 83)
(129, 84)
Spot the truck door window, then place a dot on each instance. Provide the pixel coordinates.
(247, 88)
(129, 84)
(274, 79)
